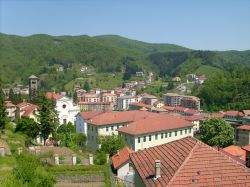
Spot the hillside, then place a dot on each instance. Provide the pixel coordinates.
(138, 45)
(42, 55)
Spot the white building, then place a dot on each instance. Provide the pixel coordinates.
(107, 123)
(155, 131)
(66, 111)
(124, 101)
(122, 165)
(81, 120)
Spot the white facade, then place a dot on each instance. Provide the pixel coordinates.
(126, 172)
(140, 142)
(123, 102)
(93, 132)
(66, 110)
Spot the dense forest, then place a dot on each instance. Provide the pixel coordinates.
(226, 91)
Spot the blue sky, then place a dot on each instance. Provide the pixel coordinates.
(197, 24)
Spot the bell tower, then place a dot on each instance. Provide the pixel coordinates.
(33, 86)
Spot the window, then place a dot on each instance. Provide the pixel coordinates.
(107, 129)
(185, 131)
(175, 133)
(156, 136)
(92, 138)
(144, 138)
(117, 126)
(139, 140)
(180, 132)
(64, 106)
(170, 134)
(166, 134)
(96, 129)
(190, 130)
(112, 128)
(149, 137)
(92, 128)
(161, 135)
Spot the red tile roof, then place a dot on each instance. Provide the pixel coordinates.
(155, 124)
(215, 115)
(189, 162)
(121, 157)
(247, 112)
(247, 148)
(94, 103)
(8, 104)
(22, 104)
(53, 96)
(180, 108)
(244, 127)
(91, 114)
(140, 105)
(170, 108)
(233, 113)
(29, 109)
(236, 151)
(194, 117)
(120, 117)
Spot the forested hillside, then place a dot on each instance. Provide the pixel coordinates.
(42, 55)
(227, 91)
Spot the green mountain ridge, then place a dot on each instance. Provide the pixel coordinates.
(41, 54)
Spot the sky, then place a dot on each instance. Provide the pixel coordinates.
(196, 24)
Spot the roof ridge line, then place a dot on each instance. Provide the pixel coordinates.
(182, 165)
(224, 155)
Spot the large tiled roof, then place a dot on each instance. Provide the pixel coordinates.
(90, 114)
(155, 124)
(140, 105)
(9, 104)
(189, 162)
(94, 103)
(121, 157)
(246, 112)
(120, 117)
(247, 148)
(233, 113)
(22, 104)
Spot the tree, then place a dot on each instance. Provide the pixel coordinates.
(86, 86)
(75, 97)
(2, 110)
(47, 117)
(111, 144)
(27, 126)
(217, 132)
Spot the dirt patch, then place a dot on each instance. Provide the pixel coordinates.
(88, 184)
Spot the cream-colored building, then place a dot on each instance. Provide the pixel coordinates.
(155, 131)
(108, 123)
(243, 135)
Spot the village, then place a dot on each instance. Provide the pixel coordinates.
(160, 135)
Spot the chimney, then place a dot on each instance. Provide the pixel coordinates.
(157, 169)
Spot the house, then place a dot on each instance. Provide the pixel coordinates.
(154, 131)
(201, 79)
(139, 74)
(124, 101)
(66, 110)
(95, 106)
(139, 106)
(237, 152)
(187, 162)
(107, 123)
(109, 97)
(173, 99)
(149, 99)
(233, 115)
(28, 110)
(81, 120)
(243, 135)
(158, 104)
(122, 165)
(247, 149)
(10, 109)
(176, 79)
(53, 96)
(87, 97)
(196, 120)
